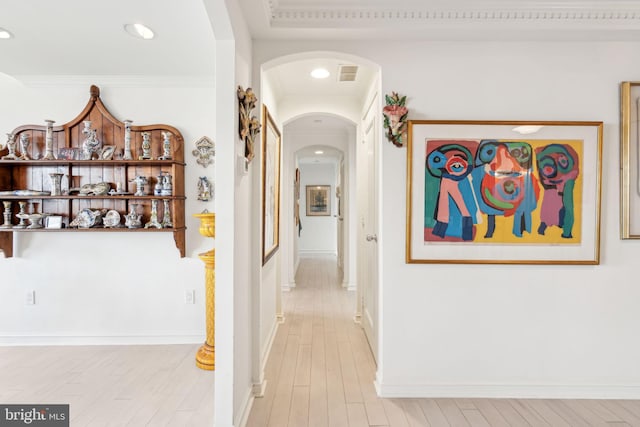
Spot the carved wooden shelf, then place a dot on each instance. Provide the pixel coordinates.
(34, 174)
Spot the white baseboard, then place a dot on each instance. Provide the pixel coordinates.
(245, 409)
(286, 287)
(266, 349)
(34, 340)
(259, 389)
(504, 391)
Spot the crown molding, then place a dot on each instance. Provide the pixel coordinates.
(115, 81)
(586, 14)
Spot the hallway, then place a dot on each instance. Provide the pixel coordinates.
(321, 372)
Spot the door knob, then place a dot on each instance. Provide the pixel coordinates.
(372, 238)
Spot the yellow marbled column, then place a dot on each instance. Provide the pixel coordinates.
(206, 355)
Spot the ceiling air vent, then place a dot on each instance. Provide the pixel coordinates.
(348, 73)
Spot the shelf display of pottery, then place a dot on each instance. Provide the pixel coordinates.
(96, 173)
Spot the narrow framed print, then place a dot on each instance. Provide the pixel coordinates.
(630, 160)
(270, 186)
(503, 192)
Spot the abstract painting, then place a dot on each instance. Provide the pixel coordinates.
(524, 189)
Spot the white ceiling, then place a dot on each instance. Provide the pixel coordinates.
(319, 123)
(329, 155)
(86, 37)
(294, 80)
(81, 37)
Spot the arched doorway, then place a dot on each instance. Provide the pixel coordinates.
(350, 98)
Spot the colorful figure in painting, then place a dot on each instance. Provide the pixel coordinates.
(504, 183)
(558, 169)
(454, 208)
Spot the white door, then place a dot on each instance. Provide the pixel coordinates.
(340, 214)
(369, 234)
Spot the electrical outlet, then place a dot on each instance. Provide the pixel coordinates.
(190, 296)
(30, 298)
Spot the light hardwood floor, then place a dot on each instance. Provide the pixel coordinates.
(320, 374)
(154, 385)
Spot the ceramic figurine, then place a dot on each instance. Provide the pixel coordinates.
(204, 189)
(140, 181)
(133, 219)
(7, 214)
(166, 146)
(153, 221)
(157, 190)
(48, 142)
(11, 146)
(167, 184)
(35, 220)
(22, 215)
(91, 145)
(127, 141)
(205, 151)
(166, 216)
(56, 183)
(146, 146)
(24, 146)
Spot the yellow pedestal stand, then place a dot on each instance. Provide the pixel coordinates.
(206, 355)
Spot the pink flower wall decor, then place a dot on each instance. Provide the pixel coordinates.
(395, 118)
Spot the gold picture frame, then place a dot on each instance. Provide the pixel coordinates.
(503, 192)
(271, 143)
(630, 160)
(318, 200)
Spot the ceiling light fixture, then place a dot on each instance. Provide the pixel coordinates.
(319, 152)
(320, 73)
(5, 34)
(139, 31)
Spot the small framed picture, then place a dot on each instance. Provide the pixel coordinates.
(68, 153)
(53, 221)
(318, 202)
(107, 152)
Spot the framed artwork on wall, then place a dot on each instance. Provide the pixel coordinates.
(318, 201)
(630, 160)
(503, 192)
(270, 186)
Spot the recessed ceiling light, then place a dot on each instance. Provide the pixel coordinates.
(139, 31)
(5, 34)
(320, 73)
(319, 152)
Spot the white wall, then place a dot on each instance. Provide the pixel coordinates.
(239, 291)
(319, 233)
(548, 330)
(107, 287)
(267, 290)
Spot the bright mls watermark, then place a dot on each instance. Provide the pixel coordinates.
(34, 415)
